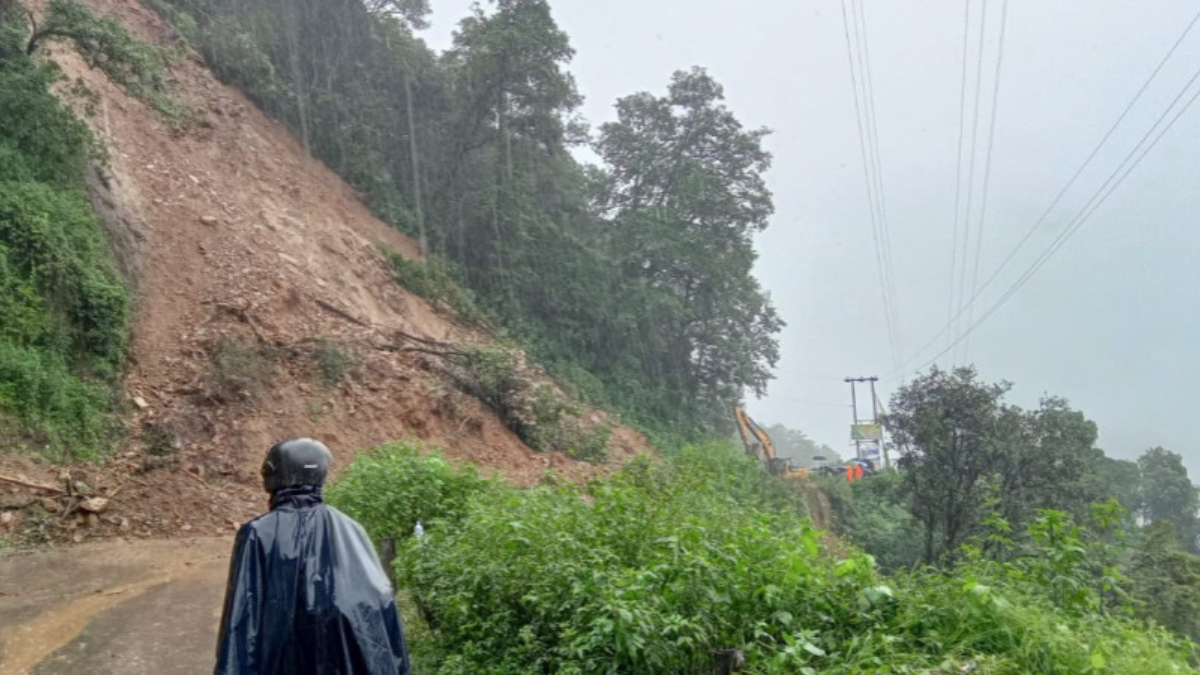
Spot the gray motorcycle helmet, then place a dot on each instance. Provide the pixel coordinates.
(295, 461)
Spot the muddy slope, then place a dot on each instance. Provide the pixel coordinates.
(265, 309)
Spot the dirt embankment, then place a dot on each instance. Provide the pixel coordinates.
(265, 309)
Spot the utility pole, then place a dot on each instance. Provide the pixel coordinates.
(875, 411)
(854, 408)
(856, 432)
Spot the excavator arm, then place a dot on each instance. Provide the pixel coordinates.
(753, 448)
(758, 443)
(768, 446)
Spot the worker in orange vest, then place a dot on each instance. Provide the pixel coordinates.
(858, 471)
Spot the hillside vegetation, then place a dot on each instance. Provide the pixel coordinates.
(631, 280)
(63, 310)
(1007, 542)
(661, 566)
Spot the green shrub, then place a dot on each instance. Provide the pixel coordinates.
(241, 370)
(873, 514)
(660, 566)
(104, 43)
(393, 486)
(431, 279)
(61, 415)
(63, 311)
(532, 408)
(333, 361)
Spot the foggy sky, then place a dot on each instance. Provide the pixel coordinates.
(1111, 323)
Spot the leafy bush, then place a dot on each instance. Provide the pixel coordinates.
(393, 486)
(660, 566)
(63, 310)
(61, 415)
(493, 375)
(240, 371)
(104, 43)
(1165, 580)
(532, 408)
(873, 514)
(431, 279)
(333, 361)
(160, 446)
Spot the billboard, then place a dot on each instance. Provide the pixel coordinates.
(866, 432)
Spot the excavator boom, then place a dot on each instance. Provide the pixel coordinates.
(743, 425)
(759, 444)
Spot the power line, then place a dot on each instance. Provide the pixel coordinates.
(863, 141)
(881, 193)
(962, 122)
(874, 180)
(966, 242)
(1106, 190)
(1061, 193)
(987, 171)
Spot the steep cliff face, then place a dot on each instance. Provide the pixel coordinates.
(266, 307)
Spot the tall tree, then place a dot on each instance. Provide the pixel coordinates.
(412, 13)
(1165, 579)
(1047, 461)
(1168, 494)
(470, 148)
(514, 104)
(510, 66)
(683, 196)
(948, 426)
(1120, 479)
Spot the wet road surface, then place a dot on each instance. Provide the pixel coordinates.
(127, 607)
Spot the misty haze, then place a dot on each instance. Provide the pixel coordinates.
(517, 336)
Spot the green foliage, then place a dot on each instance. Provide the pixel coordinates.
(333, 361)
(493, 375)
(61, 415)
(1168, 494)
(685, 193)
(432, 280)
(392, 487)
(241, 370)
(531, 407)
(963, 445)
(63, 311)
(104, 43)
(1165, 580)
(160, 446)
(873, 513)
(424, 653)
(1120, 479)
(656, 568)
(469, 151)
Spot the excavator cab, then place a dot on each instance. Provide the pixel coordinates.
(779, 466)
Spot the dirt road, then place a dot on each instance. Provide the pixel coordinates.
(116, 606)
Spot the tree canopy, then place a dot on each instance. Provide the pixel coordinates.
(631, 281)
(968, 456)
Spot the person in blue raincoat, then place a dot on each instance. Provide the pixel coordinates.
(306, 592)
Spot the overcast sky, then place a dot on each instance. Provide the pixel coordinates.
(1112, 322)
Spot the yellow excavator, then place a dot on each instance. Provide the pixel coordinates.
(759, 445)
